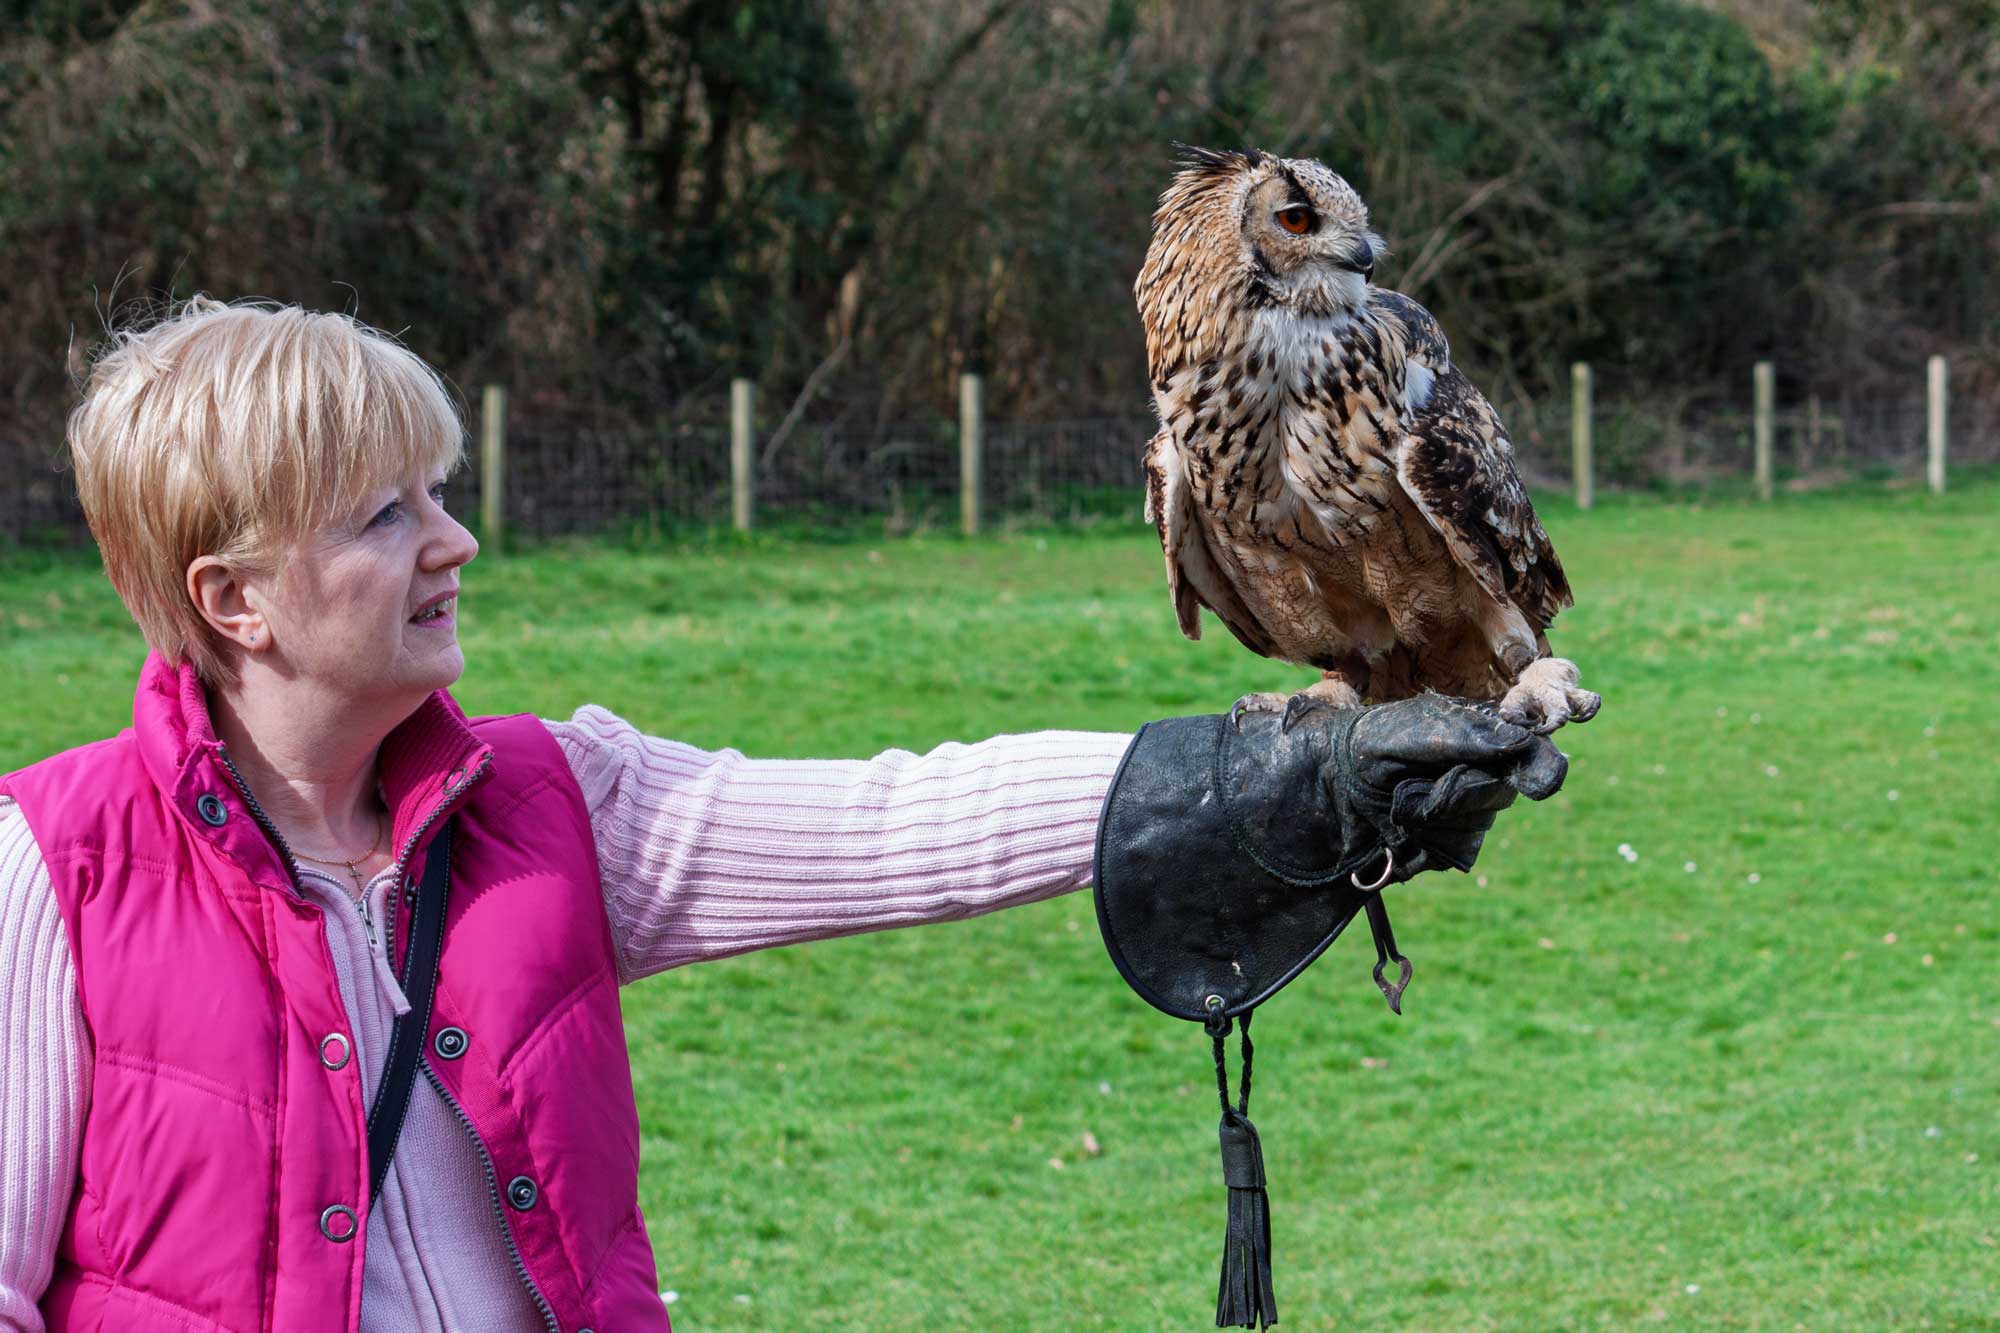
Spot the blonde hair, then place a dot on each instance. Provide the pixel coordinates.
(234, 431)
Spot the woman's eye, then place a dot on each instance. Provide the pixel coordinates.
(437, 494)
(1297, 221)
(386, 514)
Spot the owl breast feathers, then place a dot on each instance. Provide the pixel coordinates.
(1324, 479)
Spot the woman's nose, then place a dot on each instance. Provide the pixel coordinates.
(453, 545)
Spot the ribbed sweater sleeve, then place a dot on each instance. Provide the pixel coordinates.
(44, 1074)
(705, 853)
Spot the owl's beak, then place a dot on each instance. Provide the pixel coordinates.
(1360, 260)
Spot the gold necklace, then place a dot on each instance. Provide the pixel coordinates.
(353, 867)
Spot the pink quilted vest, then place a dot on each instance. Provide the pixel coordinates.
(221, 1149)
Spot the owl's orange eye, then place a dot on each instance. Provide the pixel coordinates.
(1297, 221)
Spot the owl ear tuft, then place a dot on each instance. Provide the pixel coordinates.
(1193, 158)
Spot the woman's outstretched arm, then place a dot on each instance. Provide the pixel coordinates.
(707, 853)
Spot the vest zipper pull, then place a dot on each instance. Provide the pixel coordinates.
(387, 976)
(378, 955)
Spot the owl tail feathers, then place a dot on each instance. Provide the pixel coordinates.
(1246, 1299)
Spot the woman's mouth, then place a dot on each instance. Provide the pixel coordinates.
(438, 613)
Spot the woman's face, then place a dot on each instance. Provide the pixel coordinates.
(368, 605)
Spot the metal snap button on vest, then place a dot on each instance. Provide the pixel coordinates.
(522, 1193)
(334, 1050)
(450, 1043)
(211, 809)
(338, 1224)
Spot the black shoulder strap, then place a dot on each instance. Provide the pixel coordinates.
(406, 1037)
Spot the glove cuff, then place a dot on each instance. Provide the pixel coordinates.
(1222, 861)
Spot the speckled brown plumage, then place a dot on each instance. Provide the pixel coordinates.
(1324, 479)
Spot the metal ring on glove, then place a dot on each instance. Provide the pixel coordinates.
(1388, 868)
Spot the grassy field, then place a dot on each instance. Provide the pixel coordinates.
(1711, 1040)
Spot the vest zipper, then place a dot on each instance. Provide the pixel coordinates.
(465, 1121)
(398, 887)
(263, 820)
(493, 1196)
(410, 843)
(392, 901)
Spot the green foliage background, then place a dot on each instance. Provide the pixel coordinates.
(613, 205)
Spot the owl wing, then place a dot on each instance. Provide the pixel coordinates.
(1457, 465)
(1194, 578)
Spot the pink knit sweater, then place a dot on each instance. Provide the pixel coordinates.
(703, 854)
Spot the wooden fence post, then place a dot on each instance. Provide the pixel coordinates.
(1579, 434)
(1812, 432)
(1938, 405)
(971, 432)
(742, 434)
(493, 467)
(1764, 383)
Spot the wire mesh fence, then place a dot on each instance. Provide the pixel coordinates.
(566, 476)
(906, 473)
(1814, 443)
(1068, 471)
(569, 476)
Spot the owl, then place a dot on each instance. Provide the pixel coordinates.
(1324, 479)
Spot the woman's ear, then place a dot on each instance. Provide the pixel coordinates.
(228, 603)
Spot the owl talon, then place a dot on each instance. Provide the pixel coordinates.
(1255, 703)
(1298, 707)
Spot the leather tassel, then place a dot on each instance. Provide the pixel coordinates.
(1245, 1299)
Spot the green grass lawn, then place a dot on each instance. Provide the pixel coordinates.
(1745, 1076)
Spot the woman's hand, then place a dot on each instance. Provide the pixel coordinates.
(1430, 774)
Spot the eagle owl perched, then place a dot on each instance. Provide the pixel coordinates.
(1324, 479)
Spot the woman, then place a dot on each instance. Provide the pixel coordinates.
(214, 949)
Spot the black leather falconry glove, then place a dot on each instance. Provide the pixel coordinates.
(1230, 856)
